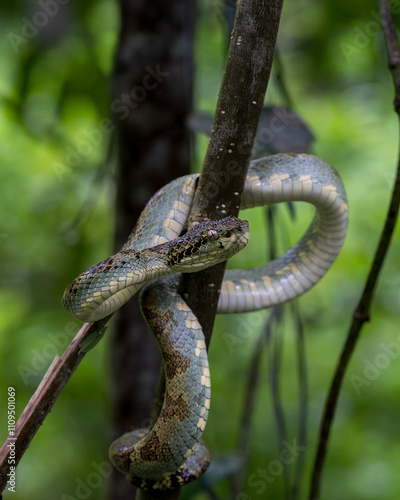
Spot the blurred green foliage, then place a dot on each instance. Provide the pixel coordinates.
(55, 221)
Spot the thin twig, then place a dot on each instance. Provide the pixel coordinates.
(42, 401)
(280, 78)
(253, 371)
(275, 353)
(253, 379)
(303, 389)
(362, 311)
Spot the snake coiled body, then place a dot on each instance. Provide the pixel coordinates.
(156, 248)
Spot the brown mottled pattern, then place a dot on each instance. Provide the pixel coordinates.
(183, 249)
(175, 363)
(158, 320)
(150, 450)
(175, 408)
(189, 244)
(192, 469)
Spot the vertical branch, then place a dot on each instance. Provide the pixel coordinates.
(302, 379)
(275, 349)
(253, 379)
(236, 118)
(280, 78)
(362, 311)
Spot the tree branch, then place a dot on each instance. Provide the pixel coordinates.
(362, 311)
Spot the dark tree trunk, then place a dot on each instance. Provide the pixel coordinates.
(152, 98)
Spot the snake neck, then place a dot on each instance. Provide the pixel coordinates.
(125, 273)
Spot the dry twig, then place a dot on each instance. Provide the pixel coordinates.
(42, 401)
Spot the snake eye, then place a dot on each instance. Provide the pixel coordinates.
(212, 235)
(228, 234)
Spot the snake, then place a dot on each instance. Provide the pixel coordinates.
(171, 453)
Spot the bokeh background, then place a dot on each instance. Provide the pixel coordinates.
(54, 223)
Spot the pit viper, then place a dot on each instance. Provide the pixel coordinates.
(171, 453)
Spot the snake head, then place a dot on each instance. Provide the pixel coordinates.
(207, 244)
